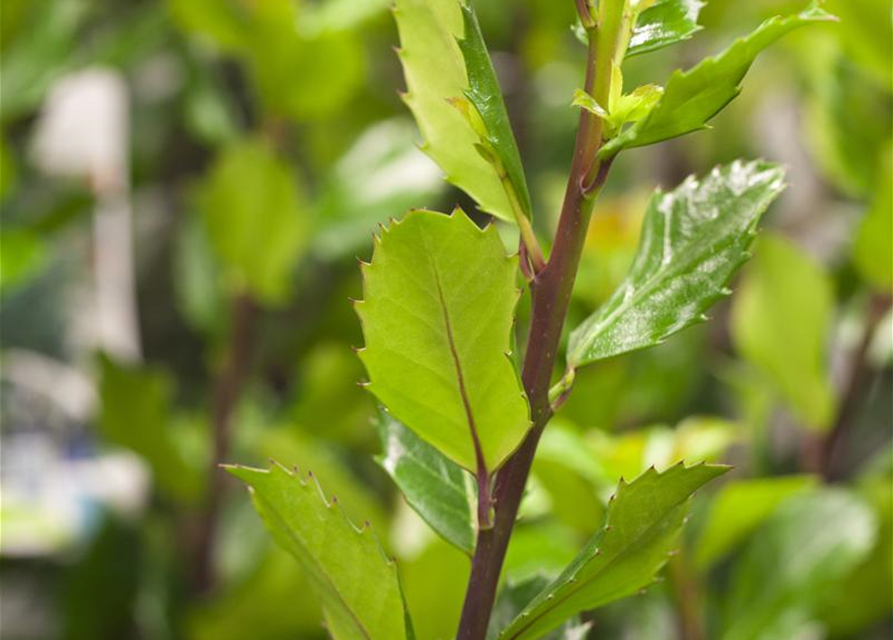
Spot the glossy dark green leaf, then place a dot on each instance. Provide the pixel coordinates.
(693, 97)
(356, 583)
(437, 488)
(486, 96)
(437, 313)
(810, 543)
(693, 239)
(642, 526)
(664, 23)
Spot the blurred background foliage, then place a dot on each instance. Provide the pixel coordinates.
(185, 188)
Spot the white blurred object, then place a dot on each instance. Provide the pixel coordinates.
(83, 132)
(68, 388)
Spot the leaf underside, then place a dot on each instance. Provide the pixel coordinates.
(357, 584)
(693, 239)
(438, 489)
(693, 97)
(437, 315)
(435, 72)
(641, 529)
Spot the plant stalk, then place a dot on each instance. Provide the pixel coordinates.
(551, 292)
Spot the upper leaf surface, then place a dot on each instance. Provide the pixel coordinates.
(664, 23)
(693, 240)
(641, 528)
(356, 582)
(437, 488)
(780, 322)
(437, 316)
(693, 97)
(435, 72)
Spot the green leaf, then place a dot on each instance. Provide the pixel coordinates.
(514, 597)
(357, 584)
(486, 96)
(435, 72)
(873, 250)
(693, 97)
(439, 301)
(808, 545)
(664, 23)
(136, 413)
(780, 322)
(251, 208)
(739, 508)
(642, 526)
(437, 488)
(23, 254)
(693, 239)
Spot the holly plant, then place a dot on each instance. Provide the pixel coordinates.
(462, 410)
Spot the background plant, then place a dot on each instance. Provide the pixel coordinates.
(253, 115)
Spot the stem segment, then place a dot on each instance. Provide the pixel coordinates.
(551, 292)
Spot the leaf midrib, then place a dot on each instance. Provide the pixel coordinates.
(573, 590)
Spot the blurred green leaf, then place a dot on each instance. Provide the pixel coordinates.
(437, 488)
(439, 302)
(693, 240)
(807, 545)
(252, 210)
(22, 255)
(873, 250)
(39, 54)
(865, 596)
(867, 32)
(196, 286)
(544, 547)
(780, 322)
(693, 97)
(267, 603)
(435, 72)
(739, 508)
(136, 413)
(664, 23)
(356, 582)
(641, 528)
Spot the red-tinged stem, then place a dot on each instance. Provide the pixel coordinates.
(227, 390)
(551, 292)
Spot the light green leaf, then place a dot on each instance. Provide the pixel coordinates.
(251, 208)
(806, 546)
(873, 251)
(435, 72)
(136, 413)
(664, 23)
(357, 584)
(22, 256)
(437, 315)
(693, 240)
(437, 488)
(780, 322)
(693, 97)
(739, 508)
(642, 526)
